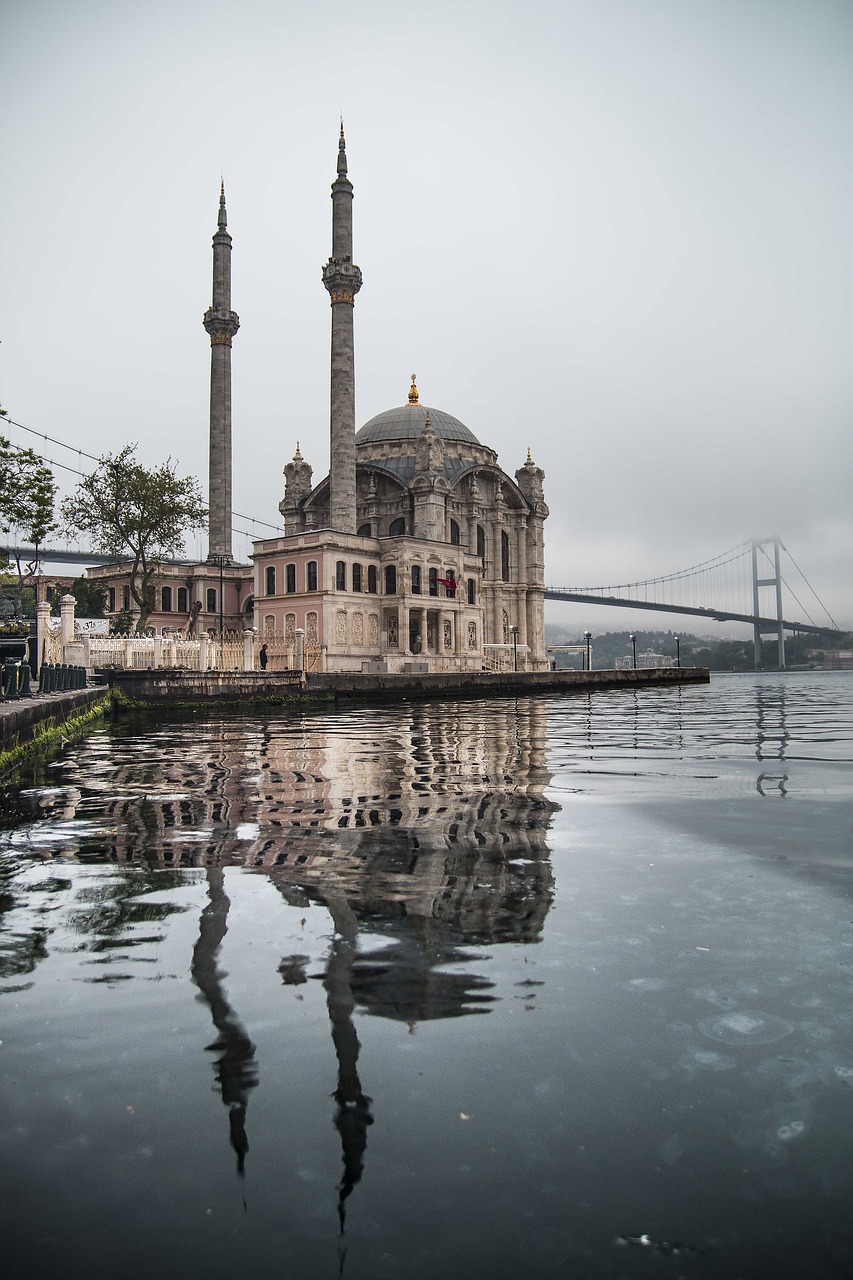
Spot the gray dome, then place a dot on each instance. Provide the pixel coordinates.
(406, 423)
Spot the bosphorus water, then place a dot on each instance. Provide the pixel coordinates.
(553, 986)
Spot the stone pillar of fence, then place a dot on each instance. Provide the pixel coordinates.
(249, 650)
(87, 655)
(158, 652)
(300, 649)
(42, 630)
(323, 649)
(66, 608)
(202, 651)
(128, 652)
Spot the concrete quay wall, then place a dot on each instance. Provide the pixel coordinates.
(182, 687)
(25, 720)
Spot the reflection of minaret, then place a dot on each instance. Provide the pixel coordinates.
(343, 281)
(353, 1115)
(221, 323)
(236, 1068)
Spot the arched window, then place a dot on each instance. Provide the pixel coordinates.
(111, 596)
(125, 598)
(166, 599)
(397, 527)
(416, 579)
(311, 575)
(183, 600)
(454, 533)
(356, 577)
(504, 555)
(371, 579)
(270, 579)
(472, 591)
(340, 576)
(211, 599)
(363, 531)
(433, 582)
(481, 542)
(390, 580)
(290, 578)
(450, 583)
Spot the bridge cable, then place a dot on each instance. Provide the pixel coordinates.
(809, 585)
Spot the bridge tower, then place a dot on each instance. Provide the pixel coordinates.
(342, 279)
(221, 323)
(758, 545)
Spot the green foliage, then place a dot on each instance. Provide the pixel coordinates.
(135, 514)
(27, 495)
(121, 623)
(91, 599)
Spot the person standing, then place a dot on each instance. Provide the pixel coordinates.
(263, 657)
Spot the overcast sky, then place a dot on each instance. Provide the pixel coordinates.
(615, 232)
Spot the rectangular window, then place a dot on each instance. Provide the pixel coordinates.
(371, 578)
(270, 580)
(166, 599)
(433, 582)
(416, 579)
(290, 578)
(111, 595)
(340, 576)
(211, 599)
(472, 591)
(183, 600)
(356, 577)
(311, 575)
(390, 580)
(125, 598)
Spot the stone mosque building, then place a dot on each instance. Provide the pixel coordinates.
(415, 553)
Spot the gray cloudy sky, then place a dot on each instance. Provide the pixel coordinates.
(617, 232)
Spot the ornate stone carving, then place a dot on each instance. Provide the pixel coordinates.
(221, 324)
(358, 628)
(342, 280)
(448, 634)
(290, 628)
(297, 477)
(341, 627)
(472, 635)
(393, 631)
(373, 629)
(311, 633)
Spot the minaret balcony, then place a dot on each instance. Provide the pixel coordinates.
(342, 279)
(221, 324)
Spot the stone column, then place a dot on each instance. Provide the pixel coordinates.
(66, 608)
(221, 323)
(42, 631)
(342, 279)
(202, 651)
(300, 649)
(249, 650)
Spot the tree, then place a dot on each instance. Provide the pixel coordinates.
(91, 599)
(136, 514)
(27, 495)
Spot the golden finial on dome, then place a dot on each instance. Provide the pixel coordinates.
(529, 459)
(413, 391)
(298, 453)
(427, 423)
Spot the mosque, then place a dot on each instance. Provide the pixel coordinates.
(415, 553)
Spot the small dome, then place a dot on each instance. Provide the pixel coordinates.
(407, 421)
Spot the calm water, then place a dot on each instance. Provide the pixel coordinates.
(556, 986)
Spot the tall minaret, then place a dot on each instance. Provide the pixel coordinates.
(221, 323)
(343, 281)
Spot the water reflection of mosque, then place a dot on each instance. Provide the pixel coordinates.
(428, 847)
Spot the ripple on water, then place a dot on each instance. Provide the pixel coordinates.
(746, 1027)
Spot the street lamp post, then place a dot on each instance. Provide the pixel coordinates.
(677, 651)
(514, 633)
(587, 635)
(633, 640)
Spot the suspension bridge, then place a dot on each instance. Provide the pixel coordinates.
(743, 584)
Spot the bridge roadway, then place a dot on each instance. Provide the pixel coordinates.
(719, 615)
(63, 556)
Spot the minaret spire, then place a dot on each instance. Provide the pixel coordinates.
(221, 323)
(342, 280)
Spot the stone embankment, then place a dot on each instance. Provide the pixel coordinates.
(193, 687)
(34, 722)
